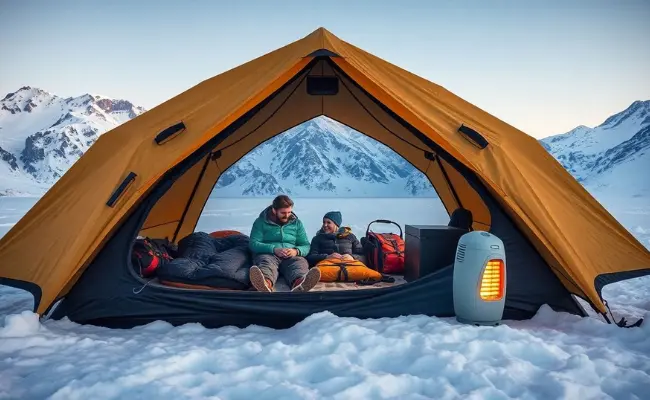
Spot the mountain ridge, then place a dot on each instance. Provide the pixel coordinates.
(621, 142)
(42, 134)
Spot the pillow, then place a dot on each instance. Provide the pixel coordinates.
(333, 270)
(224, 233)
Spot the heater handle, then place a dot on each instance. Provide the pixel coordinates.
(385, 221)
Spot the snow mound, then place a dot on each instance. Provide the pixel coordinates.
(20, 325)
(553, 355)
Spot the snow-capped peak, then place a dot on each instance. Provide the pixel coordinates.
(637, 113)
(323, 158)
(42, 134)
(25, 99)
(609, 154)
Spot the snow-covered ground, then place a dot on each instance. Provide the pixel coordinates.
(552, 356)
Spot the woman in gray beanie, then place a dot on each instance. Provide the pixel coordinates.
(334, 241)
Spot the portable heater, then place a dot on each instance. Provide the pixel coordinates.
(479, 279)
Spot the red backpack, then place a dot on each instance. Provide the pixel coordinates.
(149, 254)
(384, 251)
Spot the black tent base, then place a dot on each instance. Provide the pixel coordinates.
(431, 295)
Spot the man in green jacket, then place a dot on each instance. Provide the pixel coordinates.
(279, 244)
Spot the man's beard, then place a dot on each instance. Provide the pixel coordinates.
(279, 220)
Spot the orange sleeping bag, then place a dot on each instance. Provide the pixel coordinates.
(335, 270)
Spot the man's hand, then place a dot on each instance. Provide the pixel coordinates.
(290, 253)
(334, 255)
(347, 257)
(285, 253)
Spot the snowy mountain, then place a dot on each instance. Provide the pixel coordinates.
(323, 158)
(611, 156)
(42, 135)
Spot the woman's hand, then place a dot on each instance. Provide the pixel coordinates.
(335, 255)
(347, 257)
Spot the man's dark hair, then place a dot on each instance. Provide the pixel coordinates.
(282, 201)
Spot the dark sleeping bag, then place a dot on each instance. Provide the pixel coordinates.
(207, 261)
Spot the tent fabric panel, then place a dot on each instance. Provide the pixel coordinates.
(172, 205)
(198, 200)
(440, 183)
(165, 230)
(469, 198)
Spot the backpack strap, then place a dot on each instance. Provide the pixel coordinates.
(368, 282)
(395, 246)
(343, 272)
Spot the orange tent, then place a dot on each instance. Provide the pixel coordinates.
(176, 152)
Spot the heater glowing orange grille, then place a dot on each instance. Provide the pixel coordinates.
(492, 281)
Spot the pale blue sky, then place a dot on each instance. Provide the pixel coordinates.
(542, 66)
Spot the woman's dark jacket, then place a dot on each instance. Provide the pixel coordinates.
(342, 242)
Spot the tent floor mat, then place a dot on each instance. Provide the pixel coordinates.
(282, 286)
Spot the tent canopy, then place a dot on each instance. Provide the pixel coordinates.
(50, 247)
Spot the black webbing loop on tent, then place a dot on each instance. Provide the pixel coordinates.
(169, 133)
(270, 116)
(622, 322)
(473, 137)
(121, 189)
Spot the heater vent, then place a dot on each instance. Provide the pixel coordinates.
(460, 253)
